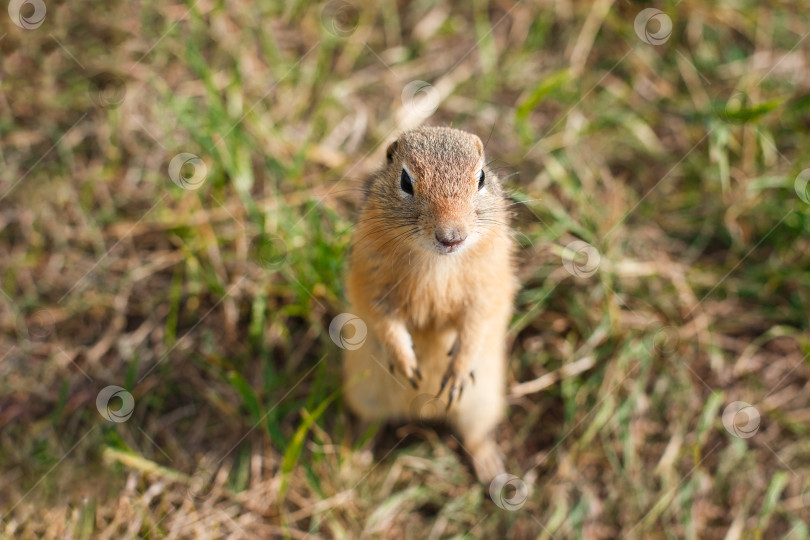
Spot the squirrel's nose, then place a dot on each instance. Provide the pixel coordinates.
(450, 238)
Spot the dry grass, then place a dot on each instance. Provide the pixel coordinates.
(676, 162)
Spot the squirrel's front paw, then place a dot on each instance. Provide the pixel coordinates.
(456, 376)
(408, 366)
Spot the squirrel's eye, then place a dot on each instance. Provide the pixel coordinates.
(481, 180)
(405, 183)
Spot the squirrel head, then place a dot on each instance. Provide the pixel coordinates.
(436, 191)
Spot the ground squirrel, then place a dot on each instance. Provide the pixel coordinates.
(431, 274)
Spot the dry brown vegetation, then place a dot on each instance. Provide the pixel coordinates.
(679, 163)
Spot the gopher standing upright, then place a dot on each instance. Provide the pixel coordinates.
(431, 274)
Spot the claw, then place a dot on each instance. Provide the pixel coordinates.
(418, 373)
(450, 397)
(453, 348)
(391, 368)
(413, 383)
(444, 383)
(472, 377)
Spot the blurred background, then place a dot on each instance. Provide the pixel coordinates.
(177, 188)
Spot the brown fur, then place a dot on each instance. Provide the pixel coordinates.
(418, 300)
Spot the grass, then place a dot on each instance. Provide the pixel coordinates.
(677, 163)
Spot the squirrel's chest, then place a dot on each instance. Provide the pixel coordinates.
(433, 297)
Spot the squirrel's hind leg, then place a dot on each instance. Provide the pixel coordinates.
(479, 411)
(368, 388)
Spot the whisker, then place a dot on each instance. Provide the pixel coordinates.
(508, 176)
(522, 202)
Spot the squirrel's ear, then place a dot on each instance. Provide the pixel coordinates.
(480, 145)
(389, 154)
